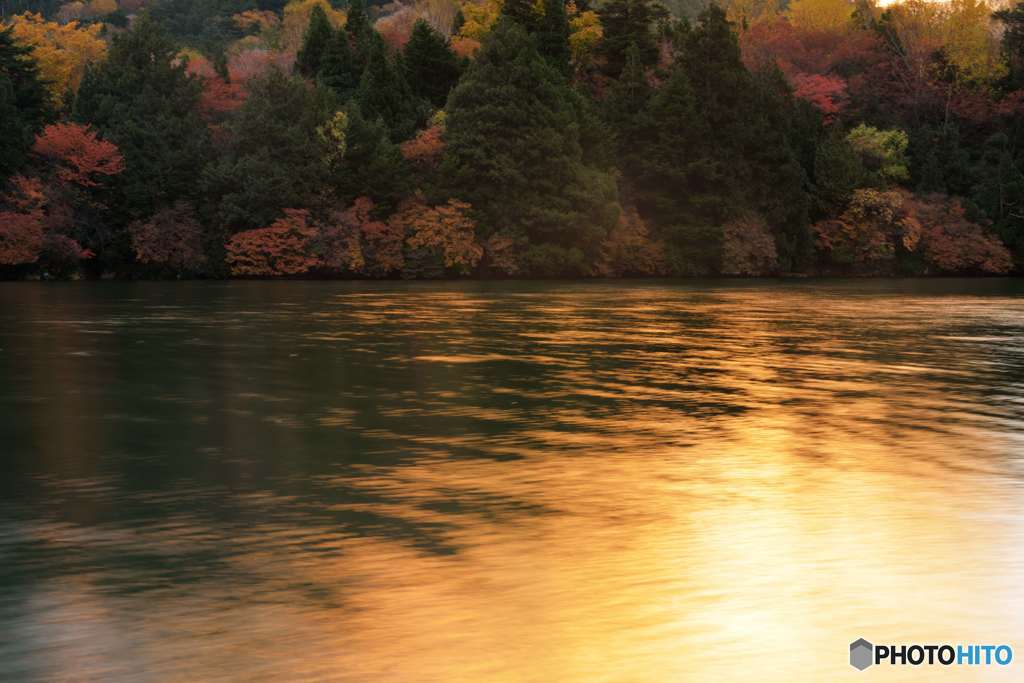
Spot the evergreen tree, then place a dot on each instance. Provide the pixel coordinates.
(142, 99)
(372, 165)
(625, 23)
(521, 12)
(553, 36)
(24, 103)
(431, 68)
(361, 34)
(999, 191)
(276, 158)
(715, 143)
(357, 23)
(625, 108)
(1012, 19)
(838, 171)
(514, 152)
(384, 92)
(338, 70)
(315, 43)
(673, 179)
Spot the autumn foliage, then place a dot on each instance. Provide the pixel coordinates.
(284, 248)
(950, 242)
(435, 138)
(426, 148)
(354, 241)
(63, 51)
(748, 247)
(629, 249)
(879, 225)
(171, 239)
(81, 156)
(446, 230)
(21, 238)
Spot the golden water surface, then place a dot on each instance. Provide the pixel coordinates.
(630, 482)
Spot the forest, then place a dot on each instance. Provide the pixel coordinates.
(516, 138)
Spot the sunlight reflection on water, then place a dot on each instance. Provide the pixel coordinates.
(507, 482)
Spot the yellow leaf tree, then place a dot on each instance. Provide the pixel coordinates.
(101, 8)
(62, 50)
(585, 32)
(821, 15)
(971, 43)
(296, 20)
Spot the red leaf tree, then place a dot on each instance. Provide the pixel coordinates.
(629, 249)
(426, 148)
(748, 247)
(284, 248)
(446, 230)
(171, 239)
(951, 243)
(21, 238)
(81, 157)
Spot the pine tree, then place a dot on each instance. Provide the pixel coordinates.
(838, 171)
(553, 36)
(372, 166)
(361, 34)
(625, 23)
(275, 158)
(384, 92)
(142, 99)
(521, 12)
(999, 191)
(513, 151)
(714, 143)
(1012, 19)
(315, 43)
(627, 101)
(431, 68)
(338, 70)
(24, 103)
(357, 23)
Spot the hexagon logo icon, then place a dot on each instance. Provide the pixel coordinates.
(861, 654)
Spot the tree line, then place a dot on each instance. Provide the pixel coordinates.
(511, 139)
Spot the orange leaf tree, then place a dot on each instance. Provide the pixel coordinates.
(171, 239)
(284, 248)
(952, 243)
(21, 238)
(629, 249)
(82, 158)
(748, 247)
(447, 230)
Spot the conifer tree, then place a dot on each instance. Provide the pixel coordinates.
(338, 70)
(361, 34)
(275, 158)
(553, 36)
(625, 23)
(357, 23)
(24, 103)
(431, 68)
(384, 92)
(513, 151)
(315, 43)
(143, 100)
(521, 12)
(372, 165)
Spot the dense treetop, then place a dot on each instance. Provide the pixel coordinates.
(432, 138)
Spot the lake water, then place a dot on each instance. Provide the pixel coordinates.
(509, 482)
